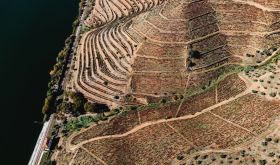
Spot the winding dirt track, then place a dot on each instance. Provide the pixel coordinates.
(112, 40)
(72, 147)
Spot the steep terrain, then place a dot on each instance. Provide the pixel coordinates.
(202, 77)
(140, 48)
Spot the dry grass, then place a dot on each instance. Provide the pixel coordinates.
(230, 87)
(84, 158)
(250, 111)
(197, 103)
(118, 125)
(156, 144)
(206, 129)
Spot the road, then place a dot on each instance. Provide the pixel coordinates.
(41, 143)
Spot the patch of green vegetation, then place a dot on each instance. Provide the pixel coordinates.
(81, 122)
(262, 162)
(48, 104)
(272, 60)
(78, 101)
(195, 91)
(76, 104)
(273, 94)
(85, 29)
(254, 91)
(56, 75)
(226, 72)
(85, 121)
(44, 159)
(150, 106)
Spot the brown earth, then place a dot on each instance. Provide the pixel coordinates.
(140, 48)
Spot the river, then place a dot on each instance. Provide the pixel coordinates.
(32, 32)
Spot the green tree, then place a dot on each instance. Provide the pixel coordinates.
(47, 105)
(78, 101)
(65, 107)
(89, 107)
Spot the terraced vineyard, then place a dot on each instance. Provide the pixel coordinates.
(202, 76)
(140, 48)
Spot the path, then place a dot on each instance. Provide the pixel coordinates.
(257, 5)
(143, 125)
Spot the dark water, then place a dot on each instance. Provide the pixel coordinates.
(31, 34)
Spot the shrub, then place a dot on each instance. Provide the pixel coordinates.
(48, 104)
(271, 154)
(273, 94)
(223, 156)
(163, 101)
(254, 91)
(264, 143)
(101, 108)
(247, 69)
(268, 139)
(194, 54)
(78, 101)
(133, 108)
(196, 157)
(180, 157)
(262, 93)
(262, 162)
(181, 97)
(89, 107)
(205, 156)
(242, 153)
(175, 97)
(65, 107)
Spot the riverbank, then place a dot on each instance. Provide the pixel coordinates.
(33, 33)
(61, 68)
(56, 88)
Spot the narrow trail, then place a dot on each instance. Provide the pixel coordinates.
(182, 136)
(267, 59)
(93, 155)
(165, 31)
(237, 125)
(139, 117)
(141, 125)
(72, 147)
(257, 5)
(242, 146)
(187, 84)
(216, 95)
(73, 158)
(175, 43)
